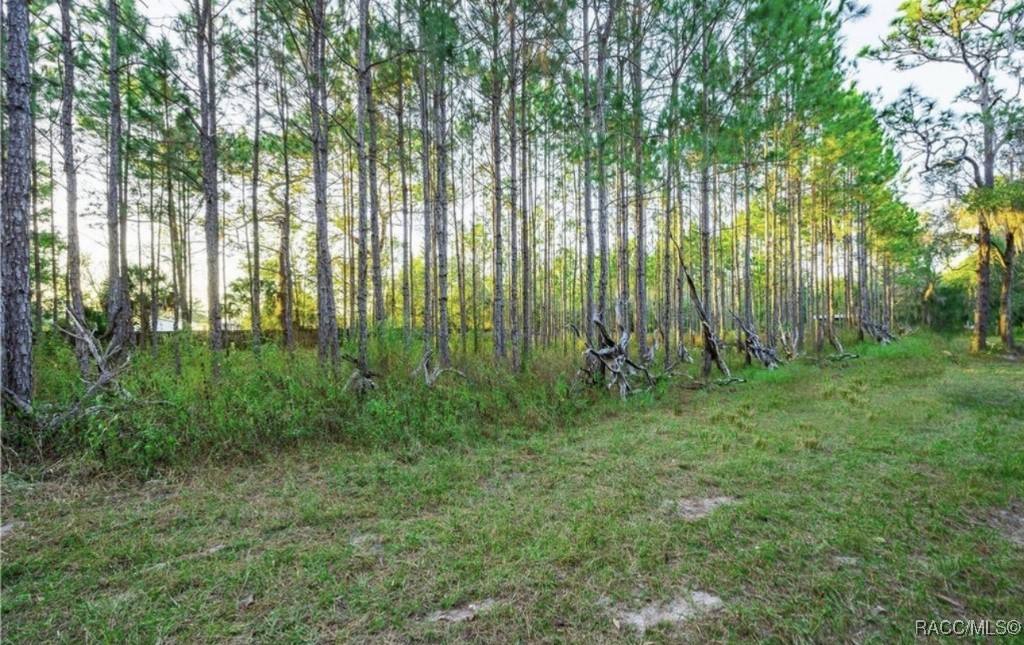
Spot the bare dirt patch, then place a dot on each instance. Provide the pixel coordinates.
(1009, 521)
(694, 508)
(684, 607)
(461, 614)
(8, 527)
(366, 543)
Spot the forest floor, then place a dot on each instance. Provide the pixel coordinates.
(817, 503)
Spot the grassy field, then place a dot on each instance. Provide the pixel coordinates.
(858, 497)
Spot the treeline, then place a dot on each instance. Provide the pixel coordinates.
(487, 175)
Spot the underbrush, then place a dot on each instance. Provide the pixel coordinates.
(266, 402)
(273, 400)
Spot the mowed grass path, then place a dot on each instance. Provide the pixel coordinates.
(898, 464)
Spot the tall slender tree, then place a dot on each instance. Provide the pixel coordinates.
(15, 317)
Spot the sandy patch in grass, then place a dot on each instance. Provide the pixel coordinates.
(461, 614)
(8, 527)
(687, 605)
(694, 508)
(366, 543)
(1010, 521)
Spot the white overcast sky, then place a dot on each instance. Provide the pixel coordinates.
(936, 80)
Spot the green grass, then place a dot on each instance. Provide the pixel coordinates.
(898, 459)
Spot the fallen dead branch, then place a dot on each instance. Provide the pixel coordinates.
(361, 379)
(430, 376)
(765, 355)
(878, 331)
(712, 343)
(842, 357)
(109, 365)
(612, 356)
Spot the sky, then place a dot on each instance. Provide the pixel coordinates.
(939, 81)
(881, 80)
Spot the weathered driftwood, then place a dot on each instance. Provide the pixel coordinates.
(753, 346)
(878, 331)
(430, 376)
(833, 339)
(787, 344)
(683, 354)
(612, 356)
(109, 361)
(648, 357)
(712, 343)
(361, 379)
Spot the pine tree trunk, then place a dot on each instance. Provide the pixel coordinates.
(498, 314)
(327, 320)
(602, 188)
(37, 260)
(705, 255)
(460, 259)
(638, 183)
(441, 212)
(979, 340)
(862, 270)
(67, 133)
(117, 293)
(1006, 294)
(256, 283)
(526, 238)
(16, 355)
(285, 285)
(428, 224)
(379, 311)
(588, 201)
(208, 149)
(513, 196)
(406, 220)
(986, 99)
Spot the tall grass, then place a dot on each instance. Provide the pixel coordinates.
(263, 403)
(266, 402)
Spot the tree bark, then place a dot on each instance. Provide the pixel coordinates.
(638, 185)
(513, 193)
(602, 188)
(499, 278)
(379, 311)
(118, 308)
(428, 225)
(16, 355)
(67, 134)
(406, 220)
(441, 211)
(327, 320)
(208, 149)
(979, 340)
(1006, 293)
(285, 286)
(256, 286)
(588, 206)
